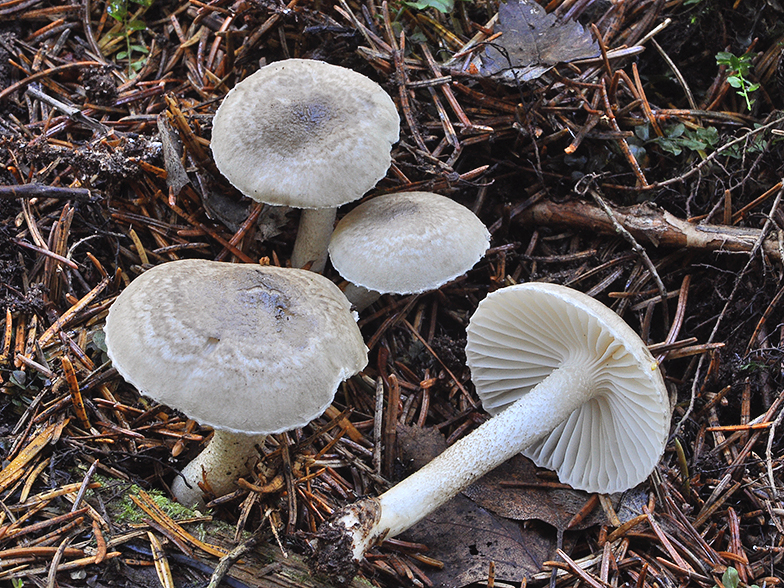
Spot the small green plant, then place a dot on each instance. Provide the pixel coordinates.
(118, 10)
(444, 6)
(731, 579)
(17, 582)
(678, 137)
(738, 69)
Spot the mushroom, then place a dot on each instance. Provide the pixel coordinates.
(247, 349)
(305, 134)
(405, 243)
(570, 384)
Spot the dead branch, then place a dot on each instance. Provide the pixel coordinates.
(650, 224)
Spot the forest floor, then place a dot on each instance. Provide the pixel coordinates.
(666, 121)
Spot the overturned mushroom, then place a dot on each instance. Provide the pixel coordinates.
(249, 350)
(405, 243)
(306, 134)
(573, 386)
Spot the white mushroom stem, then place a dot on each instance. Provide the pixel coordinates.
(527, 420)
(315, 229)
(227, 457)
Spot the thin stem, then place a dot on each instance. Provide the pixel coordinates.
(315, 229)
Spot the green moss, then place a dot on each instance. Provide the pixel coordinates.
(126, 510)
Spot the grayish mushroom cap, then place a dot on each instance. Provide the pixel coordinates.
(521, 334)
(305, 133)
(407, 242)
(240, 347)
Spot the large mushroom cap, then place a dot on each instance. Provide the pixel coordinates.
(407, 243)
(244, 348)
(521, 334)
(305, 133)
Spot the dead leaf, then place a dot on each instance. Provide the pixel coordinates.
(221, 206)
(418, 446)
(465, 536)
(533, 42)
(176, 176)
(556, 507)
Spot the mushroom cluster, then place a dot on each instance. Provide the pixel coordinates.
(306, 134)
(570, 384)
(250, 350)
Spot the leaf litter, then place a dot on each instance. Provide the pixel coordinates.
(85, 206)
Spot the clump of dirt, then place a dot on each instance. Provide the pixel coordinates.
(5, 66)
(97, 164)
(11, 271)
(451, 351)
(99, 85)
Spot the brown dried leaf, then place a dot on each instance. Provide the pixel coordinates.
(532, 42)
(556, 507)
(176, 176)
(466, 537)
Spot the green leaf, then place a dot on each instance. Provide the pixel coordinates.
(135, 25)
(709, 134)
(444, 6)
(744, 63)
(140, 49)
(117, 9)
(730, 578)
(693, 144)
(642, 132)
(676, 131)
(725, 58)
(18, 378)
(99, 340)
(670, 146)
(122, 55)
(734, 81)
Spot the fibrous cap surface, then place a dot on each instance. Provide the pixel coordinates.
(240, 347)
(521, 334)
(407, 242)
(305, 133)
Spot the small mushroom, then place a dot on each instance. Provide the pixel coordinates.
(405, 243)
(306, 134)
(570, 384)
(249, 350)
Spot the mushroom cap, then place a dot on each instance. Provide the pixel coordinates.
(305, 133)
(407, 243)
(241, 347)
(521, 334)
